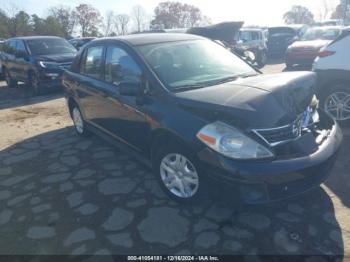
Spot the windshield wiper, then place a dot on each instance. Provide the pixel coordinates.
(233, 78)
(188, 87)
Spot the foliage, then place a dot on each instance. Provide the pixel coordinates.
(299, 15)
(65, 17)
(122, 23)
(139, 16)
(342, 11)
(170, 15)
(88, 18)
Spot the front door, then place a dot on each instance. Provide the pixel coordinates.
(124, 114)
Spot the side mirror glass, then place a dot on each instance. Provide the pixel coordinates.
(129, 88)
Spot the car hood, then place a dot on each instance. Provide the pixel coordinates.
(59, 58)
(315, 44)
(263, 101)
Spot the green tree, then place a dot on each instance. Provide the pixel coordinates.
(53, 27)
(299, 15)
(66, 18)
(20, 25)
(38, 25)
(4, 20)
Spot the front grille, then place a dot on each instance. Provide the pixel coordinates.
(276, 136)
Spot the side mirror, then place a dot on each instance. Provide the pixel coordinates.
(129, 88)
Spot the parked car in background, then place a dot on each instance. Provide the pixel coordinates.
(279, 38)
(201, 116)
(331, 22)
(79, 42)
(253, 39)
(305, 50)
(333, 69)
(227, 35)
(38, 61)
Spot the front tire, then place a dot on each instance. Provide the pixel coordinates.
(34, 84)
(179, 174)
(336, 102)
(79, 122)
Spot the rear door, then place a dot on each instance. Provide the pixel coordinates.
(22, 60)
(88, 84)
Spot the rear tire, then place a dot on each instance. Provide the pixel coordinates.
(336, 102)
(179, 173)
(34, 84)
(11, 83)
(262, 59)
(79, 122)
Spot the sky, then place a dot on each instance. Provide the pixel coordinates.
(253, 12)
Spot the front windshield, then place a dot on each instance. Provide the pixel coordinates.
(50, 46)
(320, 34)
(194, 64)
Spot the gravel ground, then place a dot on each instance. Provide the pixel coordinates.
(61, 194)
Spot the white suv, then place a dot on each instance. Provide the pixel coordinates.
(333, 69)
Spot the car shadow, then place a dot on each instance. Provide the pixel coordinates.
(57, 184)
(22, 95)
(275, 60)
(339, 182)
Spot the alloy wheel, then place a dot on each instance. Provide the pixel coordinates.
(179, 175)
(78, 120)
(337, 105)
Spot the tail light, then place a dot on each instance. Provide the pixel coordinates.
(325, 53)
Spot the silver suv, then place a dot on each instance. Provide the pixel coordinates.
(254, 40)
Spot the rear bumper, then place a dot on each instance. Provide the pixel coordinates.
(266, 181)
(300, 58)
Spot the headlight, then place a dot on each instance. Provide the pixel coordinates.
(48, 64)
(231, 142)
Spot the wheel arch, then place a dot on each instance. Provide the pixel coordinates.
(329, 85)
(161, 136)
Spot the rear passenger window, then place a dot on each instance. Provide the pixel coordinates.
(92, 65)
(10, 47)
(121, 67)
(21, 49)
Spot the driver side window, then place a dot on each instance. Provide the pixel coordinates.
(121, 67)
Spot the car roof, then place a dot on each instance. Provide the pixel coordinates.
(150, 38)
(34, 37)
(251, 29)
(82, 38)
(327, 27)
(346, 28)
